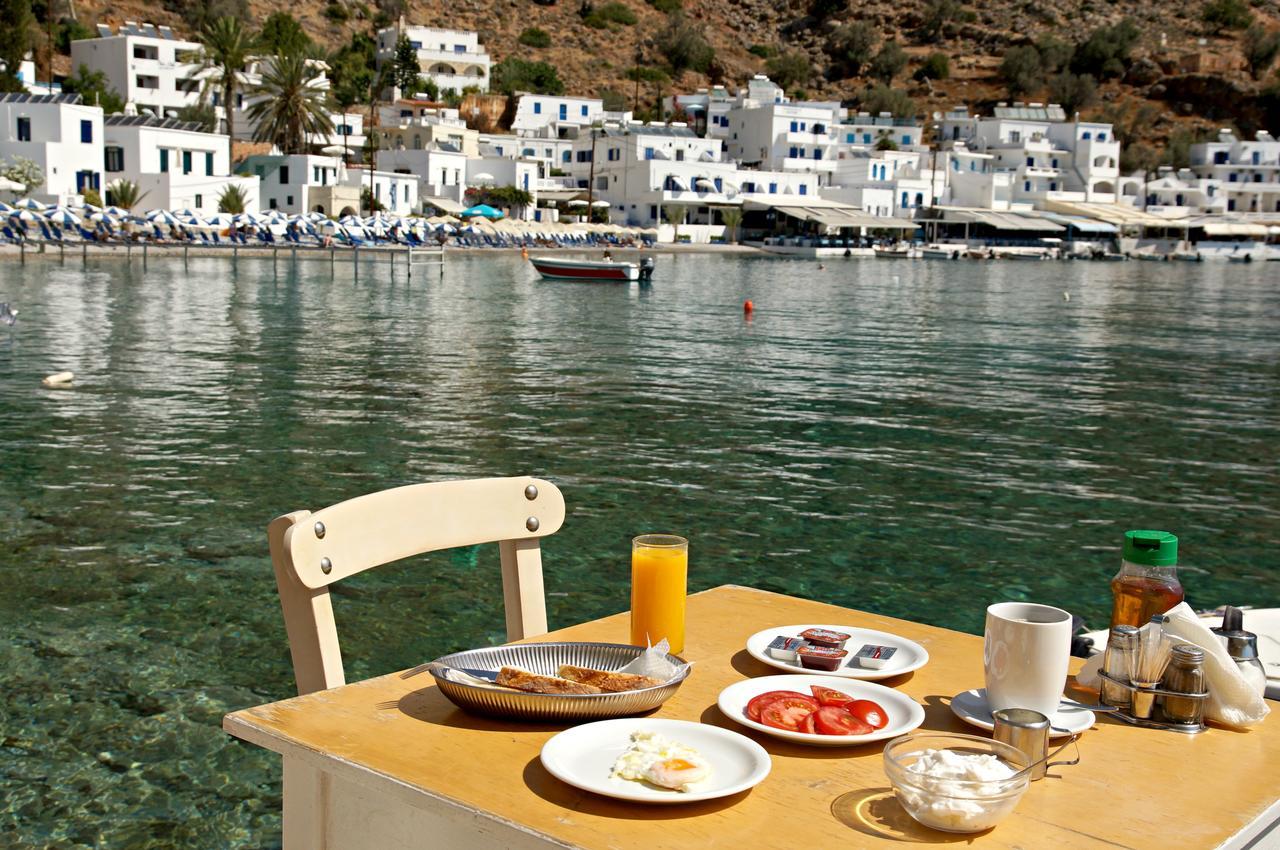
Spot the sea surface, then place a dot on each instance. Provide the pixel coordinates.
(917, 438)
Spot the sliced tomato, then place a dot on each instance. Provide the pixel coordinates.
(806, 725)
(868, 712)
(829, 696)
(788, 712)
(757, 703)
(837, 720)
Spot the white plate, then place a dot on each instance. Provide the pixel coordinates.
(971, 707)
(910, 655)
(904, 713)
(584, 755)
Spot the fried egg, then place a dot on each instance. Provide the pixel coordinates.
(653, 759)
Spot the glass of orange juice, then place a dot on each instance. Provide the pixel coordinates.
(659, 583)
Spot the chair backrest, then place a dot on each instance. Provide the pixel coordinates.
(311, 551)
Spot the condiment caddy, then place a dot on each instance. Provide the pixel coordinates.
(1153, 682)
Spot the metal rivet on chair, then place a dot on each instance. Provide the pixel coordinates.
(320, 530)
(326, 566)
(531, 492)
(531, 523)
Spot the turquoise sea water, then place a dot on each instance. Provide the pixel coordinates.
(911, 437)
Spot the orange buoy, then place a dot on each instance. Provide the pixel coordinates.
(524, 253)
(747, 306)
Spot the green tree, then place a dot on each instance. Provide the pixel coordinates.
(91, 196)
(290, 104)
(881, 98)
(1055, 54)
(514, 74)
(937, 20)
(674, 214)
(684, 47)
(200, 113)
(732, 218)
(1072, 91)
(69, 30)
(406, 65)
(18, 25)
(1219, 15)
(92, 88)
(1021, 70)
(351, 70)
(936, 67)
(281, 33)
(614, 101)
(888, 62)
(369, 202)
(24, 171)
(824, 9)
(667, 7)
(1105, 53)
(789, 69)
(885, 142)
(227, 47)
(1260, 49)
(850, 48)
(124, 194)
(535, 37)
(233, 200)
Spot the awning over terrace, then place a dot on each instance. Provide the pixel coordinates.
(831, 215)
(1117, 214)
(1005, 221)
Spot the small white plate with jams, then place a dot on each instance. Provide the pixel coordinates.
(583, 756)
(909, 656)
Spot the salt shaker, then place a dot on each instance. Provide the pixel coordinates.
(1028, 731)
(1118, 662)
(1185, 675)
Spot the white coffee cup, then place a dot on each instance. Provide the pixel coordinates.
(1025, 654)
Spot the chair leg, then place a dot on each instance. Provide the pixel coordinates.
(522, 590)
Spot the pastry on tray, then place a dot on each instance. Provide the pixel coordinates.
(523, 680)
(606, 681)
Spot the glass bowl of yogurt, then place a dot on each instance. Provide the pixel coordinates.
(956, 783)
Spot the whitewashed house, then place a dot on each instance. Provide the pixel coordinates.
(441, 170)
(452, 59)
(59, 133)
(1048, 157)
(301, 183)
(706, 109)
(1247, 172)
(175, 164)
(641, 169)
(784, 136)
(898, 183)
(145, 64)
(417, 125)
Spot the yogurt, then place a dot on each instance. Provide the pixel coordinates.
(958, 792)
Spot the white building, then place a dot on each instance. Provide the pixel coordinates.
(27, 77)
(440, 168)
(642, 169)
(452, 59)
(554, 153)
(707, 110)
(1246, 172)
(784, 136)
(539, 114)
(145, 64)
(417, 125)
(174, 163)
(1048, 157)
(301, 183)
(60, 134)
(896, 183)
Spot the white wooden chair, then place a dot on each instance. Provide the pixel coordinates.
(311, 551)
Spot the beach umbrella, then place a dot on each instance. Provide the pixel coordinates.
(576, 203)
(219, 219)
(63, 217)
(331, 227)
(29, 204)
(7, 185)
(445, 227)
(116, 212)
(350, 220)
(187, 212)
(5, 208)
(102, 217)
(482, 177)
(600, 204)
(482, 211)
(25, 216)
(163, 217)
(245, 220)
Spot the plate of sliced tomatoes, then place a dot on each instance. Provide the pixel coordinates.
(824, 711)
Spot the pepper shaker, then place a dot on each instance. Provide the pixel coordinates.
(1118, 662)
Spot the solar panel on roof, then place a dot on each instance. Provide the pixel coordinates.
(104, 31)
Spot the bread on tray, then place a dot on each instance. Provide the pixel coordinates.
(523, 680)
(606, 681)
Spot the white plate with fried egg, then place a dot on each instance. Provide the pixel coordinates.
(627, 758)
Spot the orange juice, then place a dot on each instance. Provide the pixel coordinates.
(659, 574)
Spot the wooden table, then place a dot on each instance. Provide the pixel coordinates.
(390, 763)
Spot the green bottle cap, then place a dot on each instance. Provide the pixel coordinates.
(1151, 548)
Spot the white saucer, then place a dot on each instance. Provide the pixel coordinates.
(910, 655)
(583, 756)
(971, 707)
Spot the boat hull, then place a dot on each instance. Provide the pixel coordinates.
(554, 268)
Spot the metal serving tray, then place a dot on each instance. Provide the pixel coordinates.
(545, 659)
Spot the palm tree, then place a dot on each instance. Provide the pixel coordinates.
(227, 47)
(232, 200)
(291, 104)
(674, 213)
(732, 217)
(125, 194)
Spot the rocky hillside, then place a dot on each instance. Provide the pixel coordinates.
(1178, 78)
